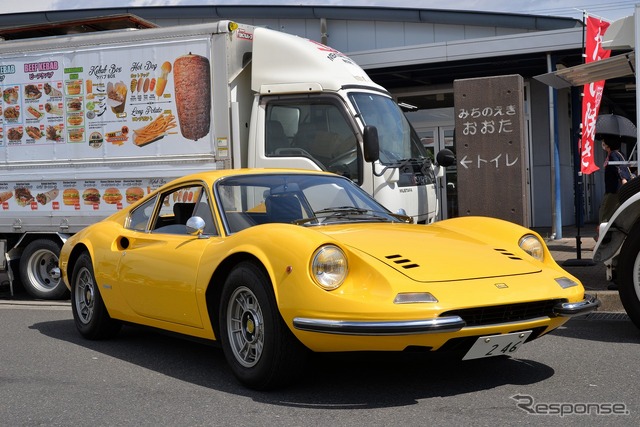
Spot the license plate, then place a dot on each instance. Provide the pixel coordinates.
(496, 345)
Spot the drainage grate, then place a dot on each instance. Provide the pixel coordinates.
(607, 316)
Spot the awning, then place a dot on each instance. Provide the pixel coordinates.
(616, 66)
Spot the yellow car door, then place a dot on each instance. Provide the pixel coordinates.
(157, 276)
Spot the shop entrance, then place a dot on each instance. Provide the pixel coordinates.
(435, 139)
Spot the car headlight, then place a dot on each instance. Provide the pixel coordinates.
(533, 246)
(329, 267)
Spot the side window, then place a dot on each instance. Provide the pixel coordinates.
(318, 129)
(203, 210)
(139, 218)
(281, 125)
(175, 208)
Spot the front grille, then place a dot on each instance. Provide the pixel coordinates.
(480, 316)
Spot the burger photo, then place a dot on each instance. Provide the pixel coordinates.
(71, 197)
(91, 196)
(133, 194)
(112, 196)
(75, 119)
(76, 135)
(74, 104)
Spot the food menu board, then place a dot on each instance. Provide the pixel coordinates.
(142, 100)
(107, 195)
(139, 101)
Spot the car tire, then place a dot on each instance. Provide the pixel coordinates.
(629, 275)
(258, 345)
(39, 271)
(89, 312)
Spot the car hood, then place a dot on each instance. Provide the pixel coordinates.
(435, 254)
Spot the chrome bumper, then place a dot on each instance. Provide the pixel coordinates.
(568, 309)
(406, 327)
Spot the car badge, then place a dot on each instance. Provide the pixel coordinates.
(501, 285)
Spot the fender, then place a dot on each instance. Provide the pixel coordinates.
(614, 232)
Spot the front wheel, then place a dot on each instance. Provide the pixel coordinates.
(629, 275)
(89, 312)
(39, 272)
(258, 345)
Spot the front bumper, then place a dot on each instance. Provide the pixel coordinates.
(446, 324)
(405, 327)
(569, 309)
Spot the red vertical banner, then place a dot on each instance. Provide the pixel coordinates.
(592, 94)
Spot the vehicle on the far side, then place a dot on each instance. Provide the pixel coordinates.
(274, 263)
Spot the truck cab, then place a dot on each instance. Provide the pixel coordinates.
(318, 122)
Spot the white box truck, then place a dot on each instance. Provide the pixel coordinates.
(92, 122)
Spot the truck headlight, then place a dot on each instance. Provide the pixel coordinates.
(329, 267)
(533, 246)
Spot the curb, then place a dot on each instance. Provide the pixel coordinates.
(610, 301)
(36, 304)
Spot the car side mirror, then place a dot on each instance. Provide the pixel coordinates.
(195, 226)
(445, 157)
(371, 143)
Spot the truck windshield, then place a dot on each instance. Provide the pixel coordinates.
(398, 141)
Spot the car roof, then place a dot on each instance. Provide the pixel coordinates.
(214, 175)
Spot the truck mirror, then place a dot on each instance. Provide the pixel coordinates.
(445, 157)
(371, 144)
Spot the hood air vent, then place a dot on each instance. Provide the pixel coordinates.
(508, 254)
(401, 261)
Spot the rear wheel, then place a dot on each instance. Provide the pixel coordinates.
(89, 312)
(629, 275)
(258, 345)
(39, 271)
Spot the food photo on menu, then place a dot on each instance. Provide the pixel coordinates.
(53, 109)
(33, 113)
(47, 196)
(51, 91)
(11, 113)
(15, 133)
(53, 133)
(32, 92)
(11, 95)
(34, 132)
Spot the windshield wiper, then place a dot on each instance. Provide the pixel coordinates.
(346, 212)
(341, 210)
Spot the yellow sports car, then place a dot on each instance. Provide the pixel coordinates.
(274, 263)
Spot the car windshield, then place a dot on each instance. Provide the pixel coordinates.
(398, 140)
(306, 200)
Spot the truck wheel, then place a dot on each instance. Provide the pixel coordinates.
(628, 190)
(258, 345)
(629, 275)
(39, 272)
(89, 312)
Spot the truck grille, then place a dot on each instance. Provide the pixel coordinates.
(480, 316)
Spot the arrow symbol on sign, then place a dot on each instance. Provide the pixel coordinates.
(464, 162)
